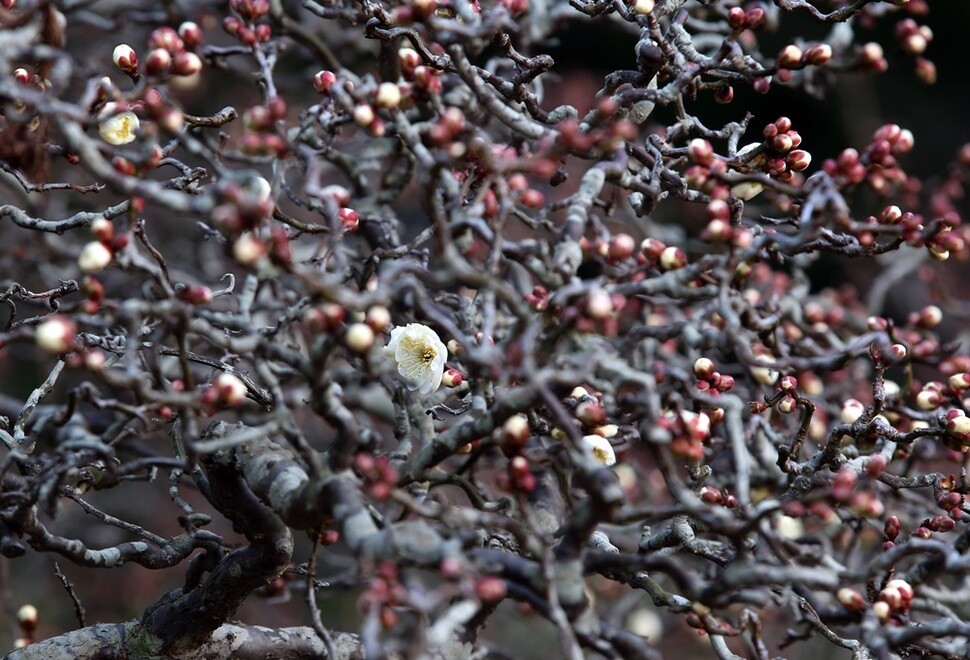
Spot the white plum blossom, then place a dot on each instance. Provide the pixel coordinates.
(120, 128)
(601, 448)
(419, 356)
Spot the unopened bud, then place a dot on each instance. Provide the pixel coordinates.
(359, 337)
(818, 55)
(388, 95)
(672, 258)
(56, 335)
(700, 151)
(378, 318)
(125, 59)
(186, 64)
(324, 80)
(643, 7)
(452, 378)
(599, 304)
(231, 390)
(851, 411)
(850, 599)
(364, 114)
(790, 56)
(703, 367)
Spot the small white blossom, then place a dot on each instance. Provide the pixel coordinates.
(119, 129)
(601, 448)
(419, 356)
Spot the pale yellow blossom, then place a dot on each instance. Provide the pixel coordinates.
(120, 128)
(419, 356)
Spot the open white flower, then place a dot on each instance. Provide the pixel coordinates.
(419, 356)
(601, 448)
(120, 128)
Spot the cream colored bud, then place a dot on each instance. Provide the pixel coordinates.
(364, 115)
(231, 389)
(928, 399)
(579, 392)
(94, 257)
(643, 7)
(851, 411)
(27, 616)
(747, 190)
(891, 388)
(959, 425)
(703, 367)
(359, 337)
(378, 318)
(248, 250)
(607, 430)
(645, 623)
(790, 528)
(125, 59)
(516, 428)
(599, 305)
(764, 375)
(388, 95)
(56, 335)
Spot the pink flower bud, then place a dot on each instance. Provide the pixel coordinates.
(490, 589)
(231, 390)
(799, 160)
(158, 63)
(324, 80)
(409, 60)
(700, 151)
(850, 599)
(452, 378)
(652, 248)
(190, 33)
(349, 219)
(818, 55)
(736, 18)
(892, 527)
(167, 38)
(790, 56)
(621, 247)
(186, 64)
(591, 413)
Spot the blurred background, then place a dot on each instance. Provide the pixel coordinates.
(585, 51)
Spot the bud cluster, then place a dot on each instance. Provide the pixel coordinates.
(245, 26)
(225, 391)
(378, 475)
(385, 592)
(709, 380)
